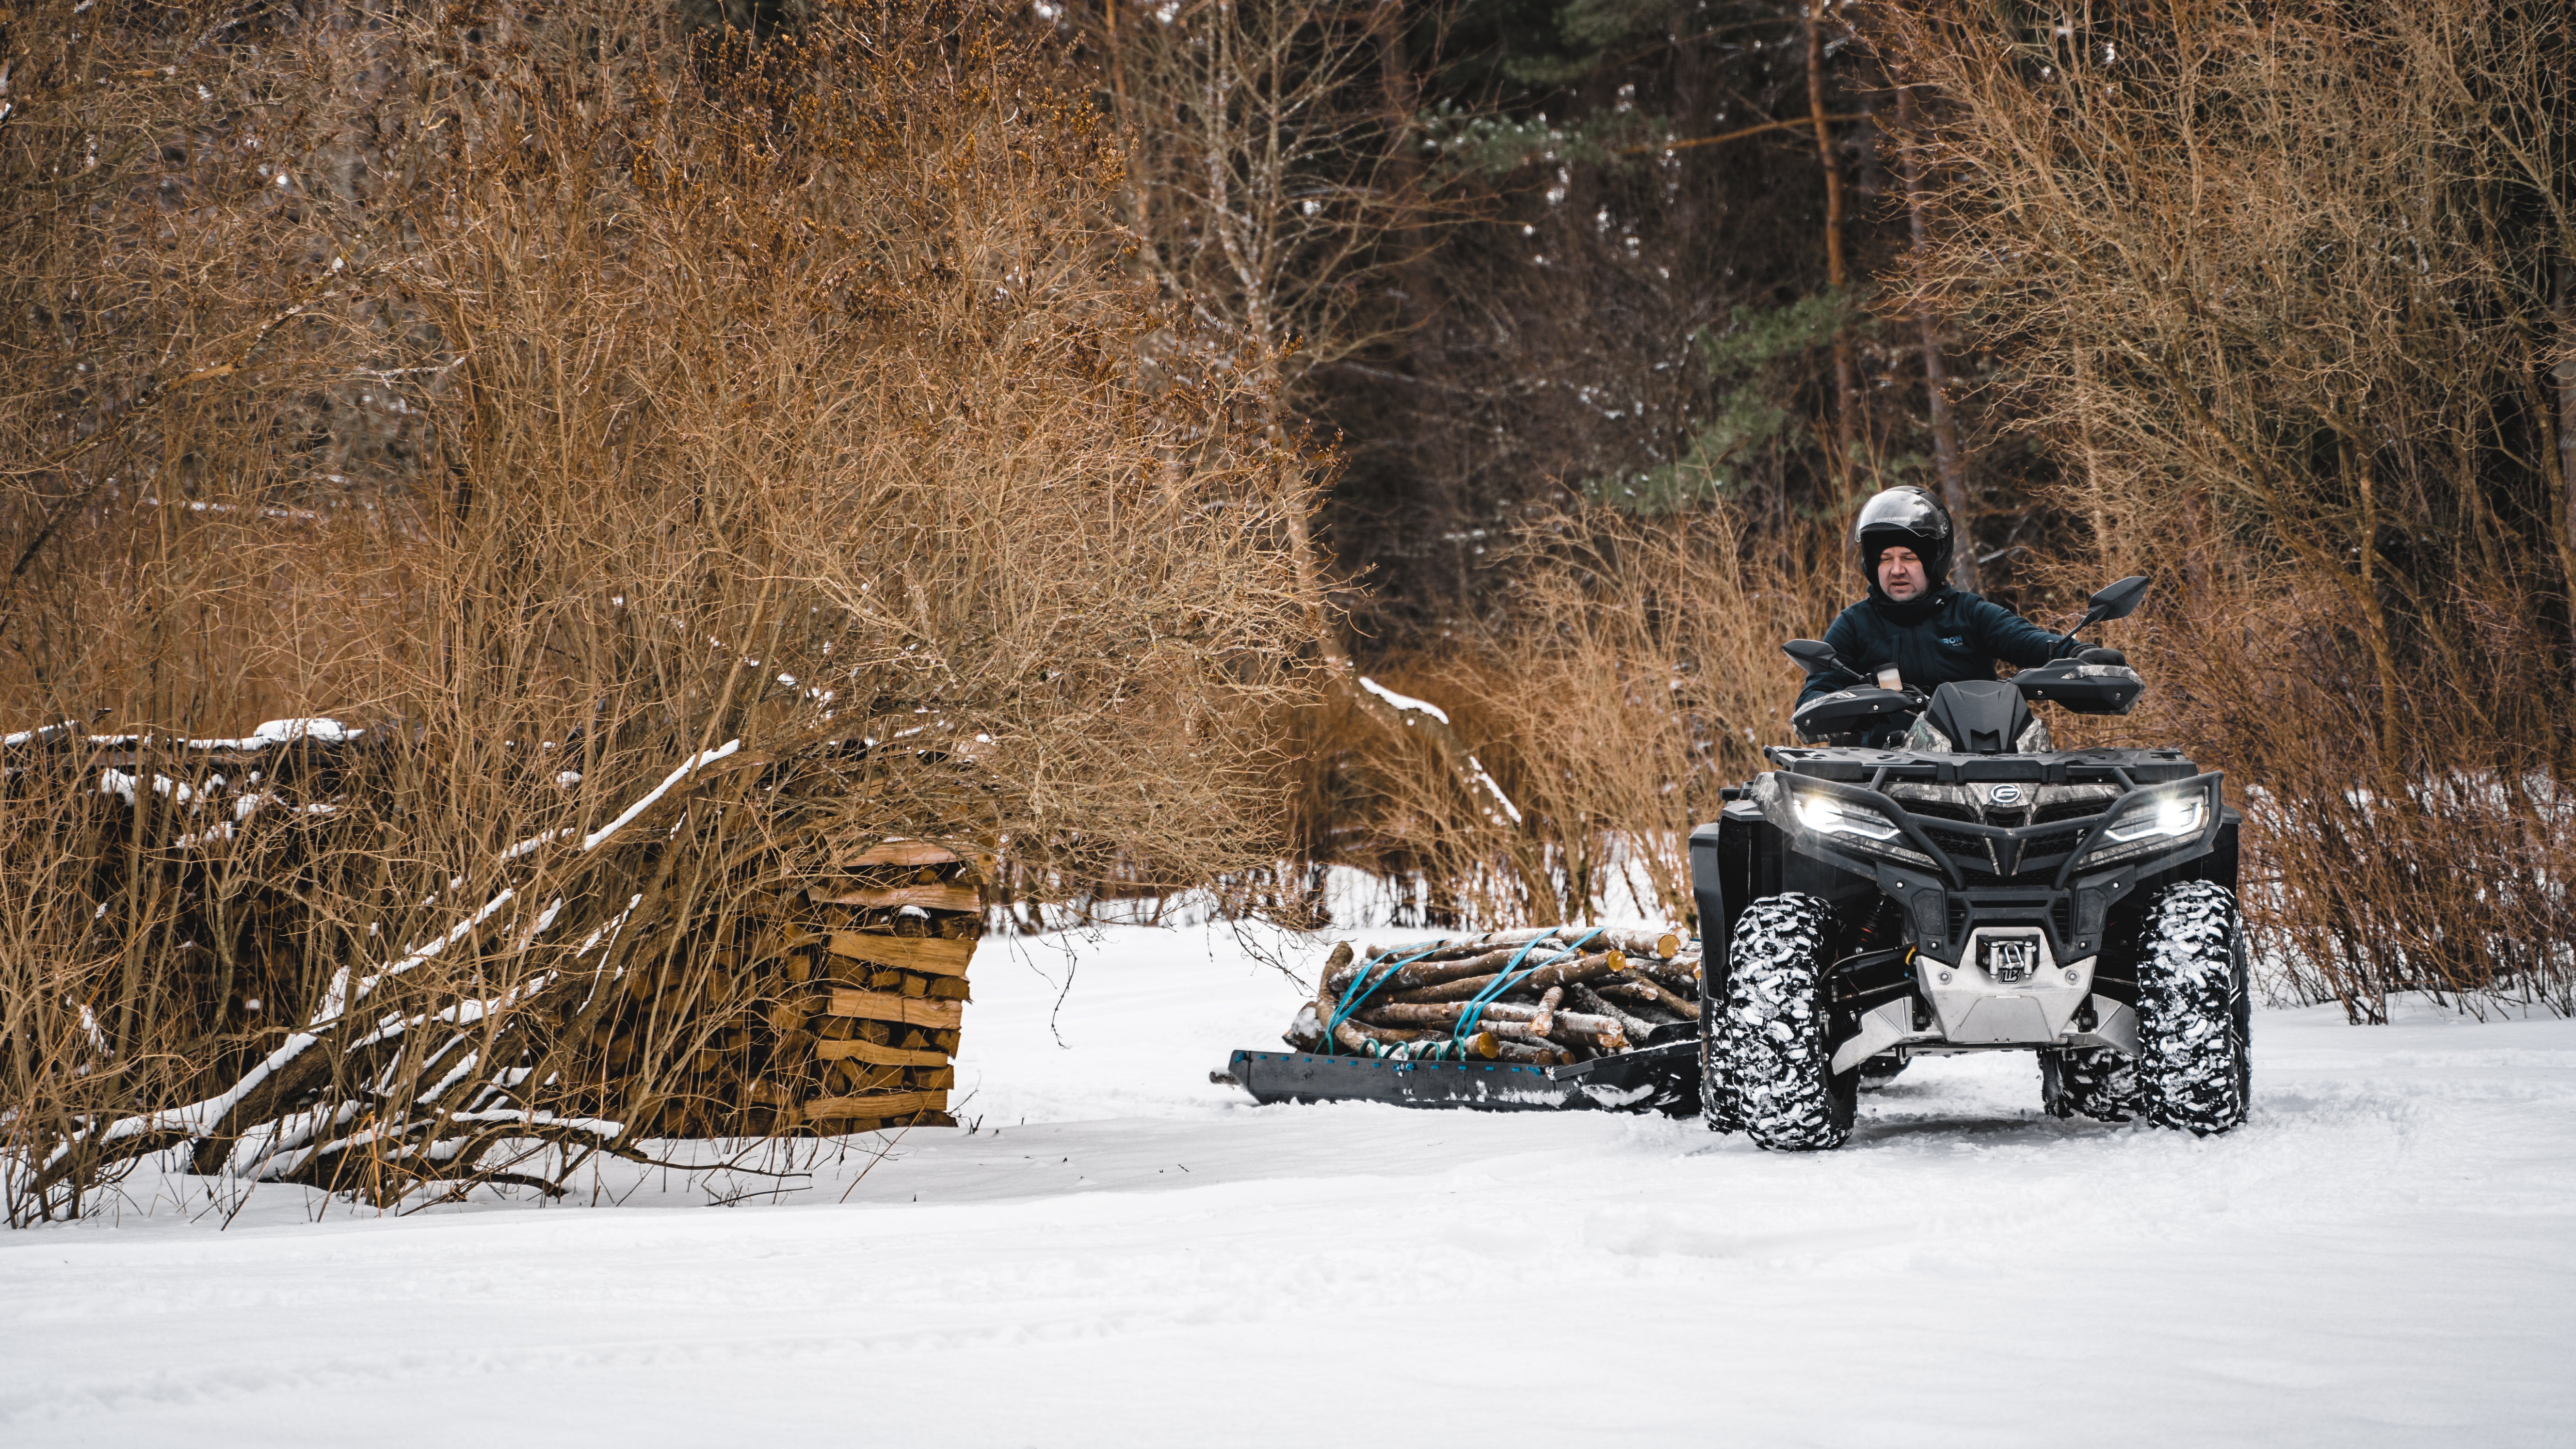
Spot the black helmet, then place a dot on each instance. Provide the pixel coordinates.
(1910, 516)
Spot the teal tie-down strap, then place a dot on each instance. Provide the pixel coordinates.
(1508, 978)
(1352, 1002)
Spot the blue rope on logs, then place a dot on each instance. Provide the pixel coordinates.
(1352, 1002)
(1507, 979)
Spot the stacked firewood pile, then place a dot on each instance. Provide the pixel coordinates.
(1547, 997)
(835, 1011)
(863, 1000)
(703, 962)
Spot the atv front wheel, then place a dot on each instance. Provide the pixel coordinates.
(1778, 1069)
(2094, 1082)
(2194, 1063)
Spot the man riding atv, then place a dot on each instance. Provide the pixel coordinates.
(1926, 874)
(1912, 622)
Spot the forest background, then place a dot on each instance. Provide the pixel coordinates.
(1191, 446)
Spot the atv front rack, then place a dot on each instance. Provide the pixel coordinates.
(1661, 1078)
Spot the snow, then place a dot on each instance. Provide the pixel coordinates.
(1404, 701)
(339, 999)
(537, 841)
(280, 731)
(1126, 1254)
(117, 782)
(1475, 767)
(686, 768)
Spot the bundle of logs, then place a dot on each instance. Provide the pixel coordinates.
(1548, 996)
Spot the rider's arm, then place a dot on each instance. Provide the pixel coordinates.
(2010, 637)
(1849, 641)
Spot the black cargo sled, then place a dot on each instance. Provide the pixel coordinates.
(1662, 1077)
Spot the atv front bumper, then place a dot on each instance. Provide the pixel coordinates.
(2006, 990)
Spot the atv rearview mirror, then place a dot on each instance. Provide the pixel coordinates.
(1818, 657)
(2118, 601)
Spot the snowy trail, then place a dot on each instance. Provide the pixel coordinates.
(1128, 1255)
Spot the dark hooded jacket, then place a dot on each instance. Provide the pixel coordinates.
(1945, 637)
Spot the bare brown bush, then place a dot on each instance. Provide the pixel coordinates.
(596, 413)
(1634, 673)
(2453, 884)
(2283, 284)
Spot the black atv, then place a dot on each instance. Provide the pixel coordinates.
(1928, 876)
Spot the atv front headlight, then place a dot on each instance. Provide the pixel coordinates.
(1827, 815)
(2151, 822)
(1850, 821)
(2173, 816)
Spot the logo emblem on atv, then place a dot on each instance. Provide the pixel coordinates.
(2007, 794)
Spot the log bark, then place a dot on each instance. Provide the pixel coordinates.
(1334, 967)
(1656, 992)
(1449, 947)
(1384, 1021)
(875, 1055)
(1681, 973)
(1359, 1035)
(875, 1104)
(921, 1011)
(1563, 973)
(1566, 1032)
(899, 852)
(1640, 946)
(1362, 1036)
(942, 897)
(1309, 1036)
(1508, 1020)
(1594, 1003)
(1532, 1053)
(931, 955)
(1573, 1029)
(1664, 943)
(1547, 1005)
(1432, 973)
(1396, 1013)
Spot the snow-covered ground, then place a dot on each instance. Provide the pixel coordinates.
(1125, 1254)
